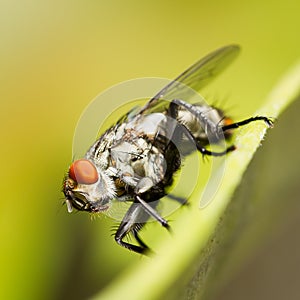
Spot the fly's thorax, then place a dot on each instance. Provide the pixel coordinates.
(136, 151)
(150, 124)
(87, 187)
(138, 158)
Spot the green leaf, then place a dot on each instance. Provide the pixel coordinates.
(207, 243)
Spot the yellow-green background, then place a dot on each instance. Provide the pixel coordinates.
(56, 56)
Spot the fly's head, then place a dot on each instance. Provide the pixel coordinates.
(88, 188)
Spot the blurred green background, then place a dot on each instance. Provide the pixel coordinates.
(56, 56)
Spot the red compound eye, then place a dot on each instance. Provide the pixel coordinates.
(83, 171)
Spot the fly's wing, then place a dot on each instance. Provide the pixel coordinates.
(194, 78)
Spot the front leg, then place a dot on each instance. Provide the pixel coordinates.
(137, 215)
(131, 223)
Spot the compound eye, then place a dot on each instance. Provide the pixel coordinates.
(83, 171)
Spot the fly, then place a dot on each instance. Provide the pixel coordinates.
(135, 162)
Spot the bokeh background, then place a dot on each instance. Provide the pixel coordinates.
(56, 56)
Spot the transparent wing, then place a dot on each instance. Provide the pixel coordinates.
(195, 77)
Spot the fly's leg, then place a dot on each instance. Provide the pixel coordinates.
(202, 149)
(268, 121)
(136, 216)
(153, 213)
(138, 239)
(185, 131)
(144, 185)
(138, 249)
(130, 224)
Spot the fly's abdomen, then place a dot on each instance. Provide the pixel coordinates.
(204, 124)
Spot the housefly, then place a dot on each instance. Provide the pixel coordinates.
(135, 160)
